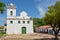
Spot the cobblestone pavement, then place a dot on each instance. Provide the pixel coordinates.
(27, 36)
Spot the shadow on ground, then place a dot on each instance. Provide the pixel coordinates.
(47, 39)
(29, 39)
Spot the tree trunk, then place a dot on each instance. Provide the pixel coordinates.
(56, 36)
(56, 33)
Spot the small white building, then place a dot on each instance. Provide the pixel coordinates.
(43, 29)
(22, 24)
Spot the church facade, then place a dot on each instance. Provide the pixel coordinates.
(22, 24)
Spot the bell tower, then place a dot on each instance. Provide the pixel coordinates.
(11, 10)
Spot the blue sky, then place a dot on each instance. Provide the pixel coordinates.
(34, 8)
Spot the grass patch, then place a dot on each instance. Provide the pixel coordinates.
(2, 34)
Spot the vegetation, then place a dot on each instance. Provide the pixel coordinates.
(37, 22)
(52, 17)
(2, 34)
(2, 7)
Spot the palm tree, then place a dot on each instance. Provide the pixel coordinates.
(2, 7)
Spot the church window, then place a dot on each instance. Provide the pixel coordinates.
(5, 24)
(18, 21)
(27, 21)
(23, 21)
(11, 21)
(11, 13)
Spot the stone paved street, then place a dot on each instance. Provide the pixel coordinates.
(27, 36)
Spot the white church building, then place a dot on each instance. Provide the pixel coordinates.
(22, 24)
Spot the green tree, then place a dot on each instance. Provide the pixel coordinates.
(2, 7)
(38, 22)
(52, 17)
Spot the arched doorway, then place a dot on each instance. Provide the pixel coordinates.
(23, 30)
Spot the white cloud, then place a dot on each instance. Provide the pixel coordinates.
(42, 6)
(41, 11)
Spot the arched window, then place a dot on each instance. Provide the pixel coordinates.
(5, 24)
(27, 21)
(11, 13)
(23, 21)
(11, 22)
(18, 21)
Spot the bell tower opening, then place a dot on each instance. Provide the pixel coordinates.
(11, 13)
(11, 10)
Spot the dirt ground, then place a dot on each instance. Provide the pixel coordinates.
(34, 36)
